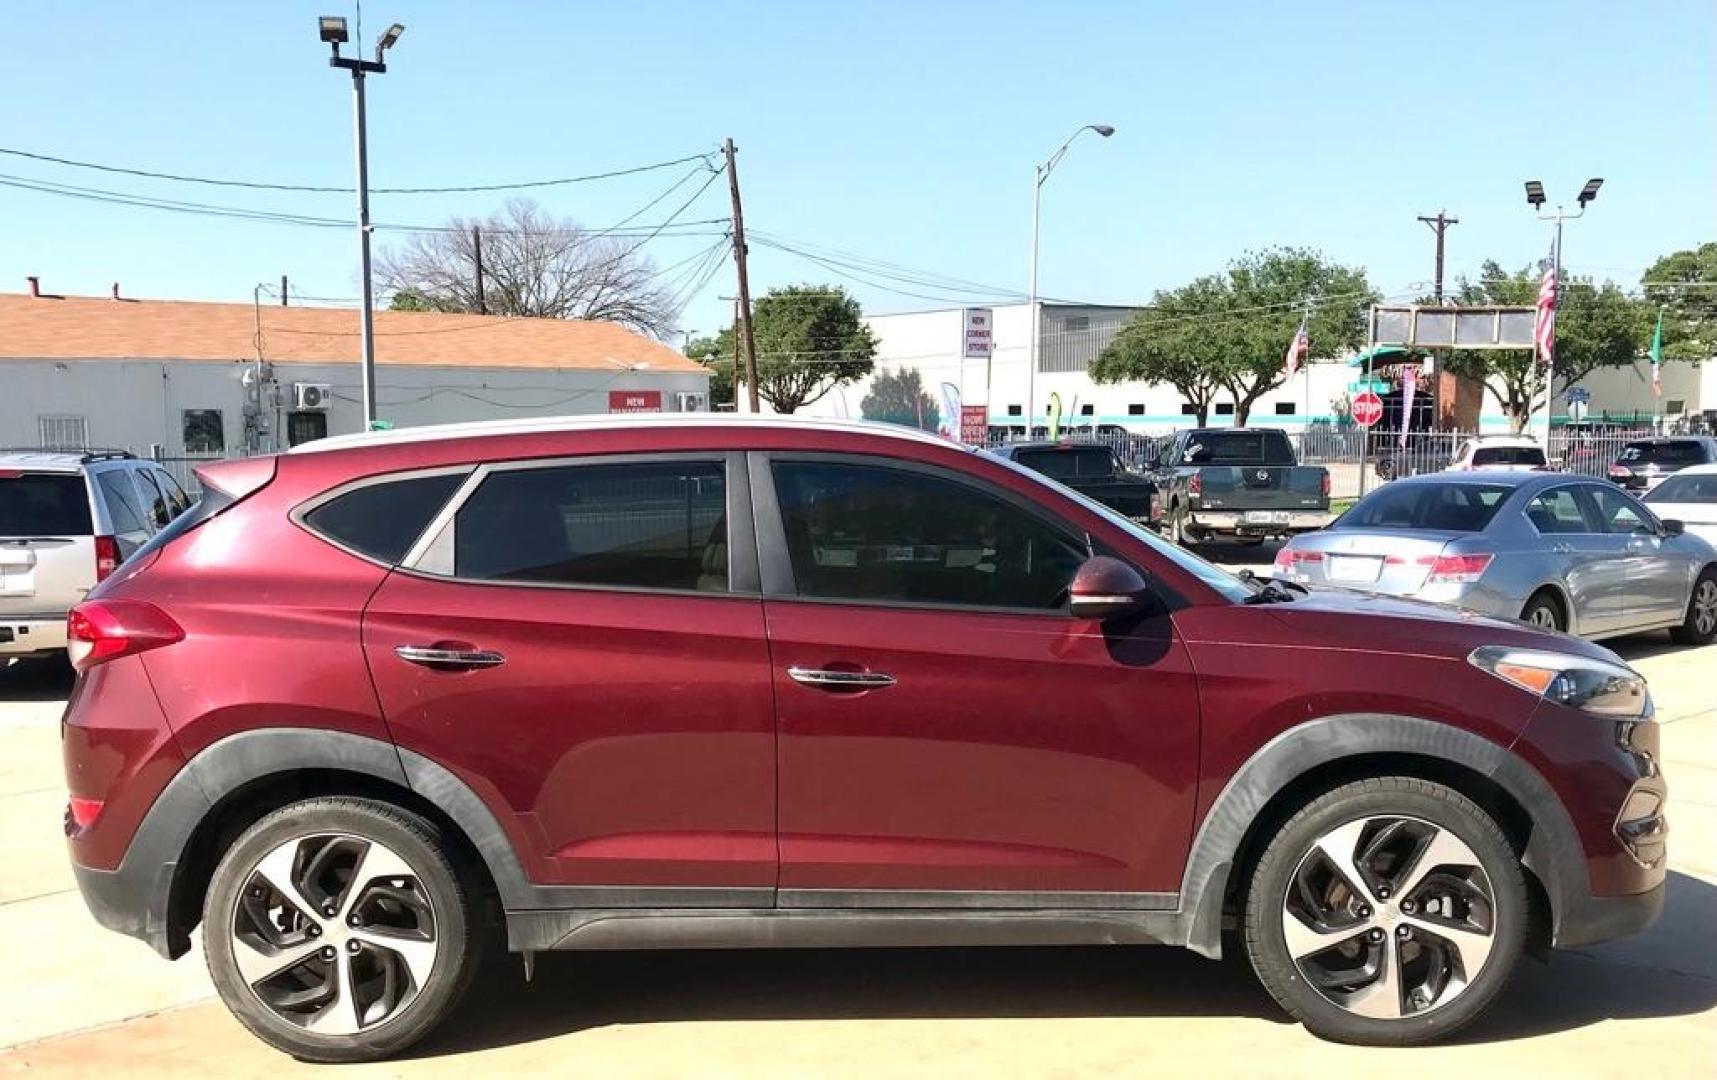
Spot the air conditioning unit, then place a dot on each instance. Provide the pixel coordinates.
(316, 396)
(691, 401)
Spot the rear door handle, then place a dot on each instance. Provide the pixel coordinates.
(840, 680)
(1563, 548)
(441, 659)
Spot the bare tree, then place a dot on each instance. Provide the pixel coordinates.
(533, 264)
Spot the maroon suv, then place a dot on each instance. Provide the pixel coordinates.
(737, 683)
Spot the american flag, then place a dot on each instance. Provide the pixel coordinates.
(1298, 350)
(1544, 330)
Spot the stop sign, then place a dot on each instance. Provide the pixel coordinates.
(1367, 409)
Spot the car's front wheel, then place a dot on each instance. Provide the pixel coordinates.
(1389, 911)
(337, 929)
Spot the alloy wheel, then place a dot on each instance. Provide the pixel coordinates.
(1705, 607)
(1543, 616)
(1389, 917)
(334, 933)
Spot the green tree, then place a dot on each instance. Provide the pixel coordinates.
(1683, 285)
(413, 300)
(1231, 331)
(898, 397)
(810, 339)
(707, 351)
(1596, 327)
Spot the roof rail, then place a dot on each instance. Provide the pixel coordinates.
(84, 454)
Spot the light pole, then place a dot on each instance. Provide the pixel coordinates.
(1043, 172)
(1535, 199)
(332, 30)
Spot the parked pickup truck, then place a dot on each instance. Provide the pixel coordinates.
(1093, 470)
(1240, 483)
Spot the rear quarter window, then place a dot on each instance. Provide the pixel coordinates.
(382, 519)
(43, 504)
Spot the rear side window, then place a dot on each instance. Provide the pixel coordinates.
(649, 525)
(43, 504)
(1680, 452)
(124, 508)
(1440, 507)
(381, 520)
(1508, 455)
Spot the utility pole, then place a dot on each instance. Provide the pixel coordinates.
(282, 290)
(744, 280)
(1439, 225)
(477, 249)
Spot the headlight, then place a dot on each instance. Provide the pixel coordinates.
(1595, 686)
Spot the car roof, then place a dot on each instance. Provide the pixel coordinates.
(1699, 470)
(610, 422)
(1060, 444)
(1493, 479)
(1508, 440)
(1658, 440)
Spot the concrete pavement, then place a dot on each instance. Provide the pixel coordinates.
(82, 1001)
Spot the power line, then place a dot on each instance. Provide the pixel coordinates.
(260, 185)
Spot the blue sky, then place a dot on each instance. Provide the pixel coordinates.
(900, 131)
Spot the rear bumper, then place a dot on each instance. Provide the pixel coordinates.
(1587, 920)
(1234, 523)
(23, 635)
(133, 901)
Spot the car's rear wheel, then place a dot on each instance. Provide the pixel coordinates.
(337, 929)
(1389, 911)
(1544, 611)
(1700, 626)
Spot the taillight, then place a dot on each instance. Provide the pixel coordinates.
(1194, 484)
(1323, 484)
(1619, 472)
(84, 811)
(1288, 558)
(1458, 568)
(103, 630)
(106, 557)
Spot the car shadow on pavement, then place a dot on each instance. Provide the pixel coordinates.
(1669, 971)
(579, 991)
(35, 680)
(1643, 646)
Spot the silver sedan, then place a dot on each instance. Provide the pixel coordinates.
(1559, 551)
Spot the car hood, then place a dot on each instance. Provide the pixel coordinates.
(1371, 623)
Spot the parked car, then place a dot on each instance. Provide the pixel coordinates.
(1557, 551)
(1645, 463)
(67, 519)
(1241, 483)
(1690, 496)
(1510, 453)
(712, 682)
(1092, 469)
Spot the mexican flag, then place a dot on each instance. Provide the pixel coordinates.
(1657, 356)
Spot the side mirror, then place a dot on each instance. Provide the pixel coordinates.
(1673, 526)
(1106, 588)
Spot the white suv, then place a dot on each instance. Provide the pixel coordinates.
(1510, 453)
(67, 520)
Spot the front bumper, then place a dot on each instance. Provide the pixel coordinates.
(26, 635)
(1243, 523)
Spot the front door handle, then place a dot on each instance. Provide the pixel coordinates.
(445, 659)
(824, 679)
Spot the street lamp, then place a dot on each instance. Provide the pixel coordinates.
(332, 31)
(1043, 172)
(1535, 199)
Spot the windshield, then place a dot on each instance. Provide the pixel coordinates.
(1508, 455)
(1222, 581)
(1683, 488)
(1438, 507)
(1237, 448)
(1685, 452)
(1066, 463)
(43, 504)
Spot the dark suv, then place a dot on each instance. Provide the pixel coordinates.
(698, 683)
(1645, 463)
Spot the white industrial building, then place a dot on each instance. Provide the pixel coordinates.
(181, 379)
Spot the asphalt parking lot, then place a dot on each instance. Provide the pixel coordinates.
(82, 1001)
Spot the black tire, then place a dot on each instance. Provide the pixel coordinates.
(1545, 611)
(1396, 798)
(1700, 626)
(1178, 534)
(451, 896)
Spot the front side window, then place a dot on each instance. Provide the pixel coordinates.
(154, 499)
(1686, 488)
(204, 431)
(382, 520)
(1619, 513)
(648, 525)
(880, 534)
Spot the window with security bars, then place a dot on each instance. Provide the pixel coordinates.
(63, 432)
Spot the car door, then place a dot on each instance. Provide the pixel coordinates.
(582, 642)
(1657, 579)
(1574, 548)
(949, 734)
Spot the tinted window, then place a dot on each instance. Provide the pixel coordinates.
(1443, 507)
(1069, 463)
(175, 494)
(382, 520)
(43, 504)
(1677, 452)
(1683, 488)
(1237, 448)
(213, 502)
(1619, 513)
(1557, 511)
(160, 511)
(861, 532)
(654, 525)
(1508, 455)
(124, 510)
